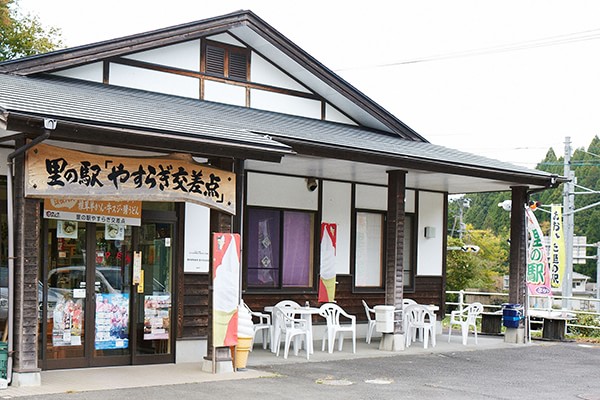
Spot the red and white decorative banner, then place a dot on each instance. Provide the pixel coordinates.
(327, 278)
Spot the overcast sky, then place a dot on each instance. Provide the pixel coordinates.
(505, 79)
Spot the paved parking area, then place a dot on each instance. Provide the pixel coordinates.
(491, 370)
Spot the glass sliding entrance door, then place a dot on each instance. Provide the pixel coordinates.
(154, 316)
(85, 294)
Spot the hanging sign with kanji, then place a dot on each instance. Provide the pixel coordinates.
(54, 172)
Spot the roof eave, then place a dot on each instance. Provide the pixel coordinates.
(145, 140)
(543, 180)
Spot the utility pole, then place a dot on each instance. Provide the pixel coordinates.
(597, 274)
(462, 204)
(568, 225)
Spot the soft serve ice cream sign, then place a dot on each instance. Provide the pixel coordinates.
(226, 288)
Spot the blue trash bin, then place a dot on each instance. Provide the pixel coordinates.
(511, 315)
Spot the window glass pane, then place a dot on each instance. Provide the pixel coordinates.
(65, 290)
(263, 248)
(298, 230)
(369, 245)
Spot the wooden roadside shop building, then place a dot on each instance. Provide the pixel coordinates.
(124, 155)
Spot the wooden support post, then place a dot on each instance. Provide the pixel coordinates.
(394, 285)
(518, 246)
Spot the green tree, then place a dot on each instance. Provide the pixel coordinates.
(484, 212)
(24, 35)
(482, 270)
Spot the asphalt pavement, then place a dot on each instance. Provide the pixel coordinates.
(541, 370)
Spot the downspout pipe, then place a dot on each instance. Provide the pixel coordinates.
(49, 125)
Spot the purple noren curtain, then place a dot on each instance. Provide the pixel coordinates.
(297, 255)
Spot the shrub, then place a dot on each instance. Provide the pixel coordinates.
(587, 320)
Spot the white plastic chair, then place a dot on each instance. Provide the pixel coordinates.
(406, 302)
(292, 328)
(372, 321)
(332, 313)
(276, 332)
(466, 318)
(419, 317)
(263, 324)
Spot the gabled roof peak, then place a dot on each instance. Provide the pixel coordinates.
(249, 29)
(83, 54)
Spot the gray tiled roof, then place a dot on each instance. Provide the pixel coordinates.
(86, 102)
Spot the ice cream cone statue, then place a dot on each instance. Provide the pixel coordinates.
(245, 336)
(226, 292)
(327, 279)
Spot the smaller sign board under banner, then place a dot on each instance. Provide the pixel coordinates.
(99, 211)
(55, 172)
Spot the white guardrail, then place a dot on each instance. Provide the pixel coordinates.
(577, 305)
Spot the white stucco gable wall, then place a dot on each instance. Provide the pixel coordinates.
(270, 89)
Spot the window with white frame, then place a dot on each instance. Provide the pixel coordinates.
(280, 248)
(370, 250)
(368, 270)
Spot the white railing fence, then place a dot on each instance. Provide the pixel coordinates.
(493, 302)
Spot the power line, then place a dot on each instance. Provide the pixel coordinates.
(568, 38)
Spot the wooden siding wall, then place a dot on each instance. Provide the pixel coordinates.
(195, 306)
(27, 250)
(196, 302)
(429, 290)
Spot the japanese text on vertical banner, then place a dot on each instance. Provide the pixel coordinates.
(538, 270)
(557, 246)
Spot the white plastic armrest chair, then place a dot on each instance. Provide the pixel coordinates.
(262, 322)
(332, 313)
(405, 303)
(292, 328)
(466, 318)
(419, 317)
(371, 321)
(275, 331)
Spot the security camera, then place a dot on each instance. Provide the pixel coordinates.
(311, 184)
